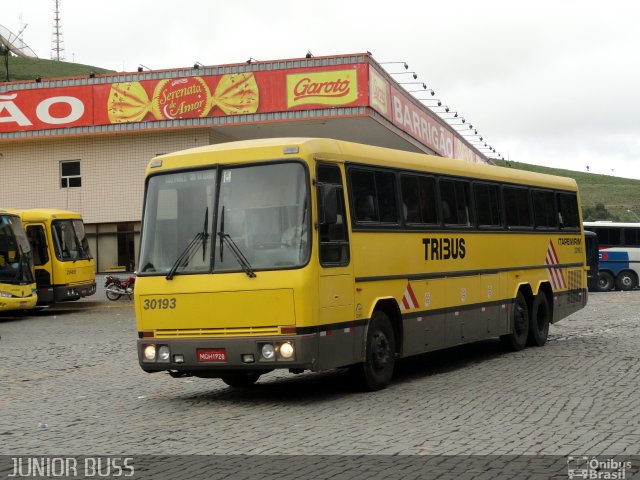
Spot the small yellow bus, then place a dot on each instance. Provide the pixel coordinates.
(64, 267)
(17, 285)
(315, 254)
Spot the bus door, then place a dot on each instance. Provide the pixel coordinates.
(36, 233)
(592, 256)
(336, 284)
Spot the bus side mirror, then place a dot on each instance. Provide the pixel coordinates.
(328, 205)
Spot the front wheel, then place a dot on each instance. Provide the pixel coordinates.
(517, 339)
(241, 380)
(626, 281)
(605, 281)
(540, 320)
(380, 355)
(111, 295)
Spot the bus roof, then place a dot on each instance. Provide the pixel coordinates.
(338, 150)
(607, 223)
(41, 214)
(8, 211)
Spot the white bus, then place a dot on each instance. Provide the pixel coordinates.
(619, 254)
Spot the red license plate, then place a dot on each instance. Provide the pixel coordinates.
(212, 355)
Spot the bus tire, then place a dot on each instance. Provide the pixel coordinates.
(241, 380)
(540, 320)
(517, 339)
(380, 355)
(605, 281)
(626, 281)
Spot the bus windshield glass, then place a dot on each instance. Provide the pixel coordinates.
(15, 252)
(70, 240)
(261, 220)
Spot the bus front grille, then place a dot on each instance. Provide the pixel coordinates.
(217, 332)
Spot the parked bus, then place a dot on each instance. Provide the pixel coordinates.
(64, 267)
(17, 285)
(314, 254)
(619, 254)
(593, 260)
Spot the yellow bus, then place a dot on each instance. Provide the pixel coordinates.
(64, 267)
(17, 285)
(315, 254)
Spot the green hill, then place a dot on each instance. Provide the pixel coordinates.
(31, 68)
(604, 197)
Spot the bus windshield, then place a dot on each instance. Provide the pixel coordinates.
(261, 220)
(70, 240)
(15, 252)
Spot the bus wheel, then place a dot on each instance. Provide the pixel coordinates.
(540, 319)
(625, 281)
(517, 339)
(241, 380)
(605, 281)
(380, 355)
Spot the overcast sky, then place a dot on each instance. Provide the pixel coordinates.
(554, 83)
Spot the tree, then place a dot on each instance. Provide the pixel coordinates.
(597, 212)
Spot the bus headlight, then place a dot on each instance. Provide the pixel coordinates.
(150, 353)
(268, 352)
(286, 350)
(5, 295)
(163, 353)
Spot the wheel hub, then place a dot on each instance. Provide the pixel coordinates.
(380, 350)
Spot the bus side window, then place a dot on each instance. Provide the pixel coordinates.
(517, 206)
(568, 211)
(632, 237)
(333, 236)
(456, 202)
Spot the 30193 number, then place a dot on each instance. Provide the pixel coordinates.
(159, 304)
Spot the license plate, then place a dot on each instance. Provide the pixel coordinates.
(212, 355)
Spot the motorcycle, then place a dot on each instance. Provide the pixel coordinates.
(117, 287)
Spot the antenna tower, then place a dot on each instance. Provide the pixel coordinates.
(57, 44)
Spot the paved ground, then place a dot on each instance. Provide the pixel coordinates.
(71, 385)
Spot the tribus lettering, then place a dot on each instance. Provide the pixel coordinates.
(444, 248)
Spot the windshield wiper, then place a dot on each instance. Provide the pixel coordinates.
(20, 272)
(205, 233)
(225, 237)
(186, 254)
(192, 247)
(242, 260)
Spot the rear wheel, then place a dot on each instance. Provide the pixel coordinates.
(626, 281)
(517, 339)
(377, 369)
(241, 380)
(540, 319)
(605, 281)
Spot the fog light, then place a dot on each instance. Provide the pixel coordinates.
(178, 358)
(286, 350)
(268, 352)
(248, 358)
(163, 353)
(150, 353)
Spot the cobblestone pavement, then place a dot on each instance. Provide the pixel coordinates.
(71, 385)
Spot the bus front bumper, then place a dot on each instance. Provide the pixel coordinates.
(64, 293)
(17, 303)
(214, 357)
